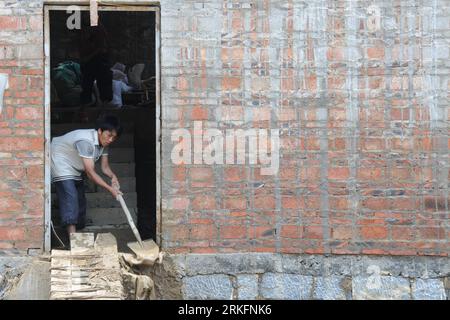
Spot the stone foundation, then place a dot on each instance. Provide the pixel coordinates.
(277, 276)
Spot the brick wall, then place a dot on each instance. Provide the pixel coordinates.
(361, 105)
(21, 126)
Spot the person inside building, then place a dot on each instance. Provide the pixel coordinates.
(72, 155)
(95, 65)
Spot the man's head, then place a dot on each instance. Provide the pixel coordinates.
(109, 129)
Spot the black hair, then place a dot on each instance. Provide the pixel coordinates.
(110, 123)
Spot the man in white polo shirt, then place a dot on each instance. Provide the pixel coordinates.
(75, 153)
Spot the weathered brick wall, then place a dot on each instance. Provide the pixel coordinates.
(361, 105)
(21, 126)
(362, 109)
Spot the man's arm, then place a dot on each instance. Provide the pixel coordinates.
(89, 167)
(106, 169)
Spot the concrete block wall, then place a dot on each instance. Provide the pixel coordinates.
(360, 101)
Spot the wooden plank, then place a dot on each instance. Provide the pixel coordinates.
(47, 136)
(81, 242)
(91, 270)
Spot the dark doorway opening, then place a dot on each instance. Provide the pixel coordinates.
(131, 47)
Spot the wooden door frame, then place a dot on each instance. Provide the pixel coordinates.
(103, 6)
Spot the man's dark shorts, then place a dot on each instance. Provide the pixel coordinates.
(72, 202)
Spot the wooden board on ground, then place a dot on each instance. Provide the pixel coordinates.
(89, 271)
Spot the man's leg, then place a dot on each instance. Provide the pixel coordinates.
(68, 204)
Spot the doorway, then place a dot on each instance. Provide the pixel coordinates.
(133, 35)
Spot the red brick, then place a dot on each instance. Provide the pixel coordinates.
(204, 202)
(336, 114)
(204, 250)
(338, 203)
(265, 202)
(32, 71)
(312, 144)
(12, 23)
(234, 174)
(404, 204)
(264, 249)
(335, 83)
(9, 204)
(179, 174)
(13, 173)
(12, 233)
(6, 245)
(402, 233)
(200, 221)
(201, 174)
(233, 232)
(36, 22)
(257, 232)
(335, 54)
(35, 173)
(179, 203)
(373, 232)
(229, 83)
(431, 233)
(6, 132)
(338, 173)
(288, 173)
(235, 203)
(309, 173)
(342, 233)
(17, 83)
(29, 93)
(286, 114)
(311, 82)
(374, 251)
(35, 232)
(375, 52)
(288, 143)
(199, 113)
(203, 232)
(290, 202)
(36, 82)
(232, 113)
(17, 144)
(312, 202)
(313, 232)
(405, 144)
(375, 203)
(291, 231)
(261, 114)
(35, 201)
(177, 232)
(370, 222)
(182, 83)
(370, 174)
(371, 144)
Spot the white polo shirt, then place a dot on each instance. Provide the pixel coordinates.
(68, 151)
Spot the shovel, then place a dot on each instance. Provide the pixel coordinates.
(146, 250)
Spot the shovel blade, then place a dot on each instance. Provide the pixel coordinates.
(148, 251)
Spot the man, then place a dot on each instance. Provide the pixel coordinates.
(74, 153)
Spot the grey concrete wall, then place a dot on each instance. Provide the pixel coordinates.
(278, 276)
